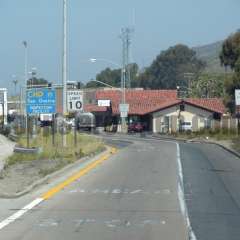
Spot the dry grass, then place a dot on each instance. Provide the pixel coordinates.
(86, 145)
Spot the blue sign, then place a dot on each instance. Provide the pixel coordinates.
(39, 101)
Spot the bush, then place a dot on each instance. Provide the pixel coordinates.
(218, 133)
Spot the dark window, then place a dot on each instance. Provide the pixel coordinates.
(216, 116)
(182, 107)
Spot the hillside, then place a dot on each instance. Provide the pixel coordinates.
(210, 54)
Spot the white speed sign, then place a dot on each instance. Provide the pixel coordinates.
(75, 100)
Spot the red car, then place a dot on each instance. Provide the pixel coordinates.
(135, 127)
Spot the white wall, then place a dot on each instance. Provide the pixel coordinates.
(188, 114)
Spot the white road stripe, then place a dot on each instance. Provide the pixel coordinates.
(182, 197)
(20, 213)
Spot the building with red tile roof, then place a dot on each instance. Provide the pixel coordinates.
(142, 102)
(147, 105)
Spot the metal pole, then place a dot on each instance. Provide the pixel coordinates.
(64, 66)
(123, 77)
(53, 129)
(26, 81)
(3, 110)
(21, 107)
(5, 107)
(75, 131)
(238, 126)
(28, 132)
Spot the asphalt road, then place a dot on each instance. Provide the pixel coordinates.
(212, 191)
(133, 195)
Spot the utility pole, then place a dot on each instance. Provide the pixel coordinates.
(126, 45)
(64, 61)
(125, 74)
(64, 71)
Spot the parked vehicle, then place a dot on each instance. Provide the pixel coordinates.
(70, 122)
(186, 126)
(85, 121)
(45, 120)
(136, 127)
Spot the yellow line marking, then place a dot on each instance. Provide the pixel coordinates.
(76, 176)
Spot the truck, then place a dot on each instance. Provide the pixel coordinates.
(86, 121)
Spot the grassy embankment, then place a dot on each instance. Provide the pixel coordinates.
(86, 145)
(219, 134)
(226, 135)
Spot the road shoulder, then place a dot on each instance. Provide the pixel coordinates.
(56, 176)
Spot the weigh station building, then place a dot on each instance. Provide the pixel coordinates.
(160, 111)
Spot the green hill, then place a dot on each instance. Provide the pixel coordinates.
(210, 54)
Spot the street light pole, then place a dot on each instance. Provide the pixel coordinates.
(64, 70)
(15, 82)
(26, 80)
(25, 61)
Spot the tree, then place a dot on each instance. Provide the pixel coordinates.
(230, 85)
(108, 76)
(208, 85)
(133, 71)
(167, 70)
(230, 57)
(113, 77)
(230, 53)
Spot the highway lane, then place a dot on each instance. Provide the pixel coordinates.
(133, 195)
(212, 191)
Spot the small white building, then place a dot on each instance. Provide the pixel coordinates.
(188, 114)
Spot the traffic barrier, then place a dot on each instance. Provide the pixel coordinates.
(18, 149)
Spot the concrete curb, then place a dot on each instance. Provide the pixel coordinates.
(54, 175)
(199, 141)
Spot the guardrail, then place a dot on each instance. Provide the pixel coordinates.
(18, 149)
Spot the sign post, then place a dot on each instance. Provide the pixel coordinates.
(75, 104)
(53, 129)
(40, 101)
(237, 107)
(75, 100)
(124, 109)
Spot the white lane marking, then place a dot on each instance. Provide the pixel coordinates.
(20, 213)
(49, 223)
(116, 191)
(136, 191)
(163, 191)
(113, 223)
(181, 197)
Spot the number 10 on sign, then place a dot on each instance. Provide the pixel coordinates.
(75, 100)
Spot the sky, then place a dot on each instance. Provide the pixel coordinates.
(93, 32)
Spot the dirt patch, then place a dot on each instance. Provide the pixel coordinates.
(19, 176)
(22, 170)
